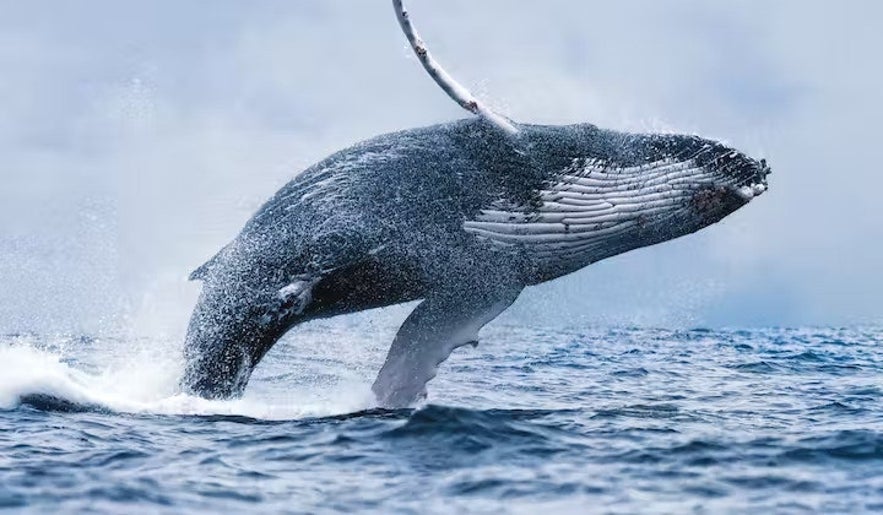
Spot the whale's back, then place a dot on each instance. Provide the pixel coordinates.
(407, 188)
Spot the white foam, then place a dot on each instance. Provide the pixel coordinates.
(147, 386)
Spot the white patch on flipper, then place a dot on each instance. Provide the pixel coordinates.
(292, 299)
(300, 292)
(293, 289)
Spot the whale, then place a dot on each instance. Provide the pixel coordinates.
(461, 216)
(455, 215)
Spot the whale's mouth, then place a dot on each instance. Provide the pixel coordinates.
(757, 184)
(715, 202)
(708, 199)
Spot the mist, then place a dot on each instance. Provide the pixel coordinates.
(136, 140)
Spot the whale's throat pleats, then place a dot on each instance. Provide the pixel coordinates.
(588, 211)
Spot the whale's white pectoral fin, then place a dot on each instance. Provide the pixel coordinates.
(438, 326)
(444, 80)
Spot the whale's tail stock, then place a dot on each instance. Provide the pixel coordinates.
(232, 327)
(224, 342)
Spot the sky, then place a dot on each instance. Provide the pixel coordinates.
(137, 138)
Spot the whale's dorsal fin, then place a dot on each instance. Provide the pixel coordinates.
(204, 271)
(447, 83)
(201, 273)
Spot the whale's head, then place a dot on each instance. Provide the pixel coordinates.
(612, 192)
(653, 188)
(688, 183)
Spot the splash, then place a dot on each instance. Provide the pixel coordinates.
(136, 382)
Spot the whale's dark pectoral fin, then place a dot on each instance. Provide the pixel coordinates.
(440, 324)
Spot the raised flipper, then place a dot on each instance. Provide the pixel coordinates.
(440, 324)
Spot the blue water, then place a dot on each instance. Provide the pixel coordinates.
(600, 420)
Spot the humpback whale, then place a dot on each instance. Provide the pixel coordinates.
(461, 216)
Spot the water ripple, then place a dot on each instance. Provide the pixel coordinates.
(592, 420)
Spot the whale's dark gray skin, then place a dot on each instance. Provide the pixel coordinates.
(459, 215)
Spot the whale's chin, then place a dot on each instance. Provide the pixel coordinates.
(713, 204)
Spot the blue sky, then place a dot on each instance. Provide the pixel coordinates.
(136, 139)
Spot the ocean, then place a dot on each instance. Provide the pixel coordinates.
(585, 420)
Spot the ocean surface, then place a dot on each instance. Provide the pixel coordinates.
(591, 420)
